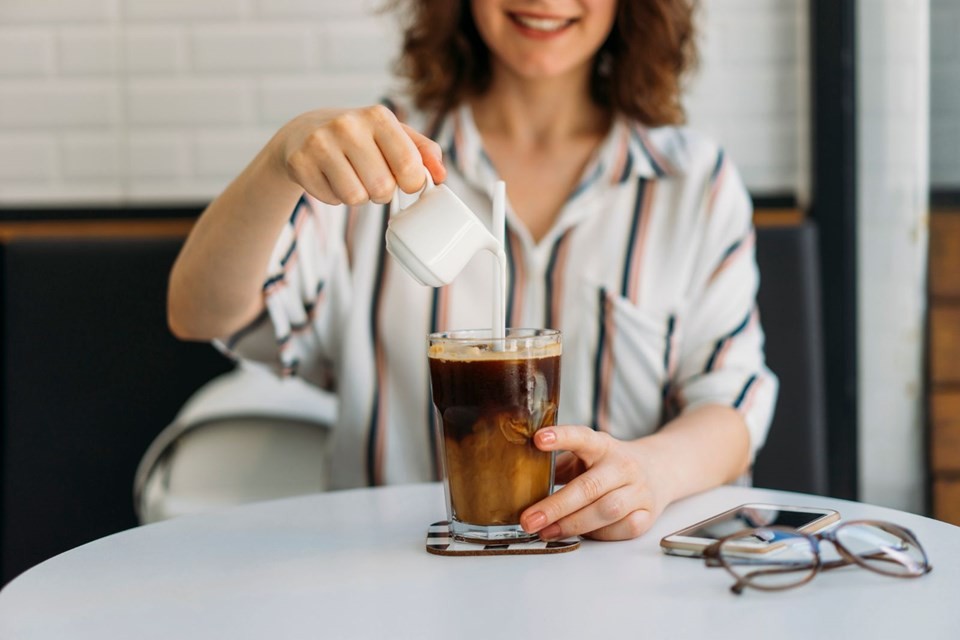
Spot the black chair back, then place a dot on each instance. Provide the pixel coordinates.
(90, 375)
(794, 457)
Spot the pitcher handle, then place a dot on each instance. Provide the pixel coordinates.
(395, 207)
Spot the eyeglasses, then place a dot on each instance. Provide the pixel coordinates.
(777, 558)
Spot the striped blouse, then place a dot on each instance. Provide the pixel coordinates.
(648, 270)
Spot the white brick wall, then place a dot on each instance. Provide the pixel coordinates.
(222, 154)
(28, 157)
(140, 100)
(57, 11)
(158, 155)
(281, 98)
(88, 51)
(251, 48)
(149, 51)
(751, 93)
(26, 52)
(59, 103)
(186, 102)
(945, 94)
(351, 46)
(86, 155)
(184, 10)
(316, 8)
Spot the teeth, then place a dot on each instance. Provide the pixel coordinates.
(542, 24)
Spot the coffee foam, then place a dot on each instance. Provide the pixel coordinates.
(514, 348)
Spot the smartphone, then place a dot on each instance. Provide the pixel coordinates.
(692, 540)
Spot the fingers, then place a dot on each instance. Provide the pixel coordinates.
(431, 155)
(606, 495)
(363, 155)
(634, 524)
(583, 442)
(574, 505)
(354, 165)
(401, 158)
(606, 510)
(304, 167)
(309, 176)
(613, 517)
(374, 174)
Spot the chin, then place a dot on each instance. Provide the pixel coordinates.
(544, 69)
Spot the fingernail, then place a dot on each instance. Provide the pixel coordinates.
(551, 532)
(535, 521)
(547, 436)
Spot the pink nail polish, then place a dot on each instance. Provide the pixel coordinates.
(535, 521)
(547, 436)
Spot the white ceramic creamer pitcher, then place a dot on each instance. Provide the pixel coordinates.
(435, 237)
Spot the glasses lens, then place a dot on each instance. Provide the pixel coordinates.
(769, 558)
(884, 549)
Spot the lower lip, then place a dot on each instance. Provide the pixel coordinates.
(536, 34)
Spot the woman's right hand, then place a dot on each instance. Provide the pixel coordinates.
(350, 157)
(354, 156)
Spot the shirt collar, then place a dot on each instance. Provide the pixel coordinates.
(626, 152)
(625, 155)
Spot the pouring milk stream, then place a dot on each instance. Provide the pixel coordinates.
(435, 237)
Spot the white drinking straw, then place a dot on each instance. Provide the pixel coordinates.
(498, 230)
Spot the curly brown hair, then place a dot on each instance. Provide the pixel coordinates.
(638, 71)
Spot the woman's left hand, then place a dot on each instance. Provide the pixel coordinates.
(612, 492)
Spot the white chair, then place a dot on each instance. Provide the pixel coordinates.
(243, 437)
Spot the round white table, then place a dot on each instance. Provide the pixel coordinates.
(352, 564)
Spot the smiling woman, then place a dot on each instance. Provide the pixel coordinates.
(637, 65)
(540, 42)
(630, 235)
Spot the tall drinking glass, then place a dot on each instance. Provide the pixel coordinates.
(491, 395)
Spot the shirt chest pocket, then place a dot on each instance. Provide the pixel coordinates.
(622, 357)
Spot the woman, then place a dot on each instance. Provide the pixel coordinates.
(632, 237)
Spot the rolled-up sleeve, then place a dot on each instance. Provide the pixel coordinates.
(305, 283)
(721, 358)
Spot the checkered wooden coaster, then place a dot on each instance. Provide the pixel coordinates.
(440, 542)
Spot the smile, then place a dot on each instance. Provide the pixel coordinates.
(543, 25)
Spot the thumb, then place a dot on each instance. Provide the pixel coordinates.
(430, 151)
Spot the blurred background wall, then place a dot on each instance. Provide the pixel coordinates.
(138, 100)
(148, 101)
(162, 102)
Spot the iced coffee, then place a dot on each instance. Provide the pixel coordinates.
(491, 396)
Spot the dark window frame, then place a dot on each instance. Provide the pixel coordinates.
(834, 208)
